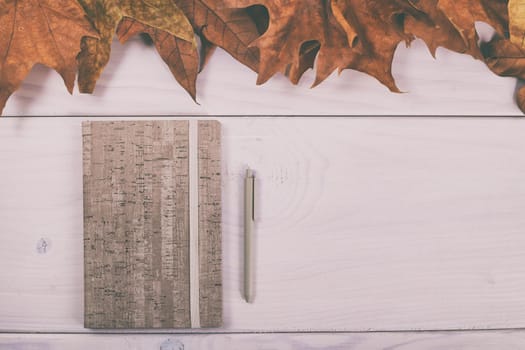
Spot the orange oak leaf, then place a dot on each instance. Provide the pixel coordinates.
(48, 32)
(180, 55)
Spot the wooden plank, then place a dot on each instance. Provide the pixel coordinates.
(363, 223)
(481, 340)
(136, 82)
(136, 209)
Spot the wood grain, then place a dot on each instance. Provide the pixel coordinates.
(136, 212)
(362, 223)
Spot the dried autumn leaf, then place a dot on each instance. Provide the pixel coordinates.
(232, 29)
(372, 31)
(180, 55)
(46, 32)
(163, 15)
(340, 34)
(432, 25)
(439, 23)
(507, 59)
(505, 56)
(517, 22)
(363, 35)
(292, 23)
(463, 14)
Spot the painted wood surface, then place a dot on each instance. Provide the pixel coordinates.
(136, 81)
(362, 223)
(136, 224)
(508, 340)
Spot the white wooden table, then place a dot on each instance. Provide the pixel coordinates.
(390, 232)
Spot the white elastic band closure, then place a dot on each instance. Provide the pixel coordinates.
(194, 222)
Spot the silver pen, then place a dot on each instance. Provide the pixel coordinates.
(249, 218)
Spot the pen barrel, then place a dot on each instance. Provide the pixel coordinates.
(248, 268)
(248, 237)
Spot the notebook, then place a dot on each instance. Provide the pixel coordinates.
(152, 224)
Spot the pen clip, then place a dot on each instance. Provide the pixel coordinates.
(253, 197)
(249, 184)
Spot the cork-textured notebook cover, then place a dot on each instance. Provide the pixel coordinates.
(152, 224)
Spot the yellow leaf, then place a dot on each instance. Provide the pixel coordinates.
(517, 22)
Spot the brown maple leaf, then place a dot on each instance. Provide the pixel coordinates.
(46, 32)
(180, 55)
(161, 15)
(231, 29)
